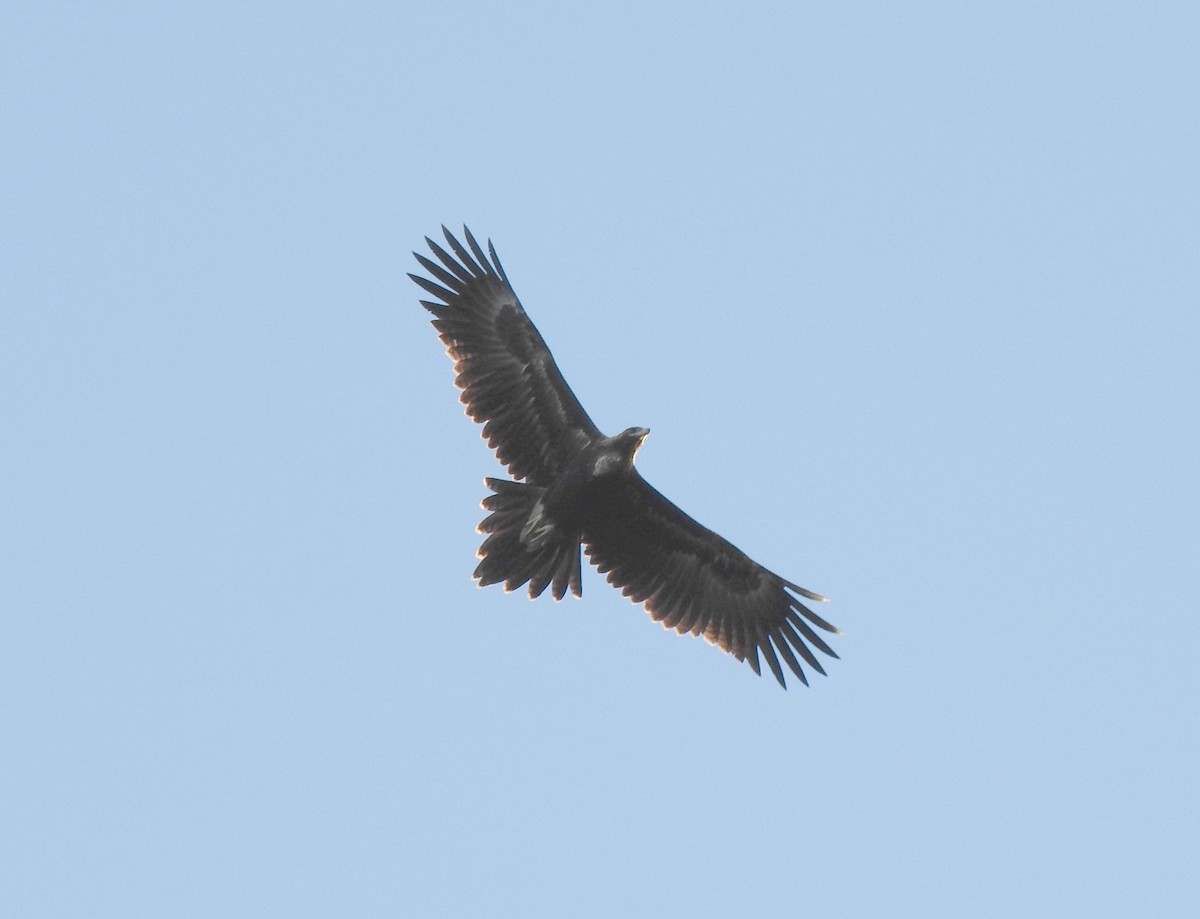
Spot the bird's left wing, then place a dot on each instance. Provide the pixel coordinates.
(692, 580)
(509, 380)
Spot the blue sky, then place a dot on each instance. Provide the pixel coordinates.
(908, 296)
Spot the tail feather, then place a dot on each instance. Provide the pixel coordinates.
(504, 558)
(567, 574)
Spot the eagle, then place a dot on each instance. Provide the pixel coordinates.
(574, 489)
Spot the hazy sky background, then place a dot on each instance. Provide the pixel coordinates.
(909, 297)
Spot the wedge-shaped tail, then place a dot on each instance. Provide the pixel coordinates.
(512, 556)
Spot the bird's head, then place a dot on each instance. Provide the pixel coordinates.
(634, 437)
(631, 439)
(615, 454)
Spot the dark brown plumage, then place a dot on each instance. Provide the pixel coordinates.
(581, 489)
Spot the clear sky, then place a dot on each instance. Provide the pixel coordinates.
(907, 294)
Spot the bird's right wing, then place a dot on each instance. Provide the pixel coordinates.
(692, 580)
(509, 380)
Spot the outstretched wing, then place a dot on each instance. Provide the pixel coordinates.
(508, 377)
(692, 580)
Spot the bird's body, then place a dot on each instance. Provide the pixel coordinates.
(582, 491)
(581, 485)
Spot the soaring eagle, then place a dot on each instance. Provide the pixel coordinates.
(580, 488)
